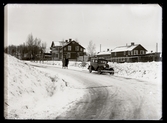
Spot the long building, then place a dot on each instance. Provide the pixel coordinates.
(129, 53)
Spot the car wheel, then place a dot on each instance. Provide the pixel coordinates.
(90, 69)
(99, 70)
(112, 73)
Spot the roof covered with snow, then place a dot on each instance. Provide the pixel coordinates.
(124, 48)
(104, 53)
(56, 43)
(68, 43)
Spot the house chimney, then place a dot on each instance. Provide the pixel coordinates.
(107, 49)
(70, 40)
(66, 41)
(132, 43)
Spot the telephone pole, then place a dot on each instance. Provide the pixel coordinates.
(156, 47)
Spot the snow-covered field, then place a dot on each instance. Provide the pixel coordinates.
(34, 94)
(139, 70)
(150, 71)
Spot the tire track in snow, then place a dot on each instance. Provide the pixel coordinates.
(107, 97)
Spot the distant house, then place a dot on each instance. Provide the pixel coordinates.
(128, 53)
(70, 49)
(105, 54)
(55, 50)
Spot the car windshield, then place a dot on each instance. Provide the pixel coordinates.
(102, 61)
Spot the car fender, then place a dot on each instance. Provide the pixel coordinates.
(90, 66)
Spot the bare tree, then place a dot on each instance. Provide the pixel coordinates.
(27, 50)
(91, 49)
(30, 43)
(30, 40)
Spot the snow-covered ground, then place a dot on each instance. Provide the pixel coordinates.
(38, 93)
(139, 70)
(112, 97)
(150, 71)
(34, 94)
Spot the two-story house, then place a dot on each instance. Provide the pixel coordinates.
(127, 53)
(55, 50)
(68, 48)
(72, 50)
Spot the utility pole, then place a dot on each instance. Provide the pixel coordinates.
(156, 47)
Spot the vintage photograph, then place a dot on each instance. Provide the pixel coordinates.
(83, 61)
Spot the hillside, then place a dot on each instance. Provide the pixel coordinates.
(33, 94)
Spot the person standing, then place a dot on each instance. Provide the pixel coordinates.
(66, 63)
(63, 62)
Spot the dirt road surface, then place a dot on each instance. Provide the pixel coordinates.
(112, 97)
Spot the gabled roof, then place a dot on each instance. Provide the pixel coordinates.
(104, 53)
(125, 48)
(55, 43)
(70, 43)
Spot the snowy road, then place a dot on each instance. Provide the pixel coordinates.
(111, 97)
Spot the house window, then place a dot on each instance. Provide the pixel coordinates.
(128, 52)
(76, 48)
(55, 48)
(68, 55)
(124, 53)
(131, 52)
(80, 49)
(64, 48)
(115, 54)
(56, 55)
(78, 54)
(135, 52)
(69, 48)
(142, 52)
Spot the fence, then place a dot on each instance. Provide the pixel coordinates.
(147, 58)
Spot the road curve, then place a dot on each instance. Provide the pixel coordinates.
(112, 97)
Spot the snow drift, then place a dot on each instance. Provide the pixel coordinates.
(139, 70)
(33, 94)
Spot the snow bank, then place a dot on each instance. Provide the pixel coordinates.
(34, 94)
(139, 70)
(59, 63)
(75, 65)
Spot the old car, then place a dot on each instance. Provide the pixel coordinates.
(100, 65)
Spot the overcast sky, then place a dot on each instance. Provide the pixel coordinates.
(110, 25)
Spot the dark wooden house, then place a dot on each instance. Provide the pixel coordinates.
(68, 48)
(128, 53)
(72, 50)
